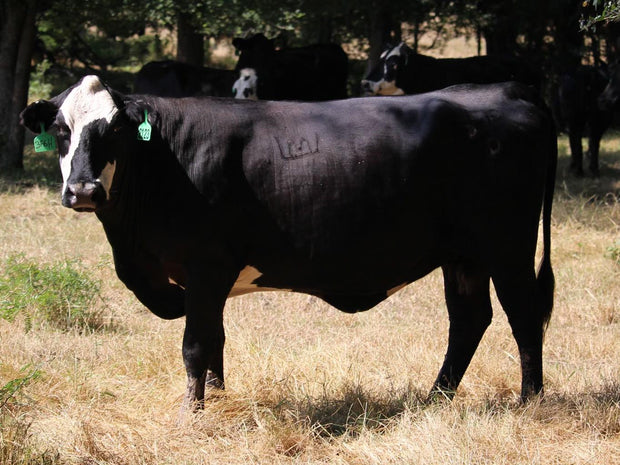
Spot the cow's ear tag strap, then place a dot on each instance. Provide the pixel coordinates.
(144, 130)
(44, 142)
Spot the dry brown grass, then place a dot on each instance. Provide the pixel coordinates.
(307, 384)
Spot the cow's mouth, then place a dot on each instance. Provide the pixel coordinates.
(84, 209)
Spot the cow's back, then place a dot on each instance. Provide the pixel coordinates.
(425, 74)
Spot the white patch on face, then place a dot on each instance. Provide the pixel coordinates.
(395, 52)
(245, 86)
(245, 283)
(86, 103)
(383, 87)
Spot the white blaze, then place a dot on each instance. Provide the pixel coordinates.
(383, 87)
(88, 102)
(245, 86)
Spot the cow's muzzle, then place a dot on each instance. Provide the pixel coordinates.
(368, 87)
(83, 196)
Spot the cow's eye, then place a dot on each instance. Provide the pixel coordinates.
(115, 128)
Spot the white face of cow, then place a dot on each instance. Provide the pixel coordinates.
(384, 82)
(246, 86)
(85, 112)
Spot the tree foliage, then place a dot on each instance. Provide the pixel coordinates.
(105, 34)
(600, 12)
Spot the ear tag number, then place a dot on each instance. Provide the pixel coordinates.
(144, 130)
(44, 142)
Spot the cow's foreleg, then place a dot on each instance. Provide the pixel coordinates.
(517, 294)
(469, 308)
(203, 340)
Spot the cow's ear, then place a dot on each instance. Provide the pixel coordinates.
(135, 112)
(239, 43)
(41, 112)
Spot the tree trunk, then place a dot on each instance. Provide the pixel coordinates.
(17, 35)
(325, 30)
(383, 29)
(190, 44)
(501, 38)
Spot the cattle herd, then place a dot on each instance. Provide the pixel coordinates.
(292, 186)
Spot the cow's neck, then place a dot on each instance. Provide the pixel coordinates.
(166, 181)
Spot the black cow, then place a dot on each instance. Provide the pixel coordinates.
(347, 200)
(312, 73)
(170, 78)
(579, 93)
(402, 71)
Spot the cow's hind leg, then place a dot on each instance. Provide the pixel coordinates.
(470, 312)
(576, 149)
(517, 293)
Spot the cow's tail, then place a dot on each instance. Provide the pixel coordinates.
(545, 281)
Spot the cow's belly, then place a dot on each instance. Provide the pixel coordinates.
(349, 286)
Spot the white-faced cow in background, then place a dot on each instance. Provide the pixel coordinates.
(346, 200)
(246, 87)
(402, 71)
(170, 78)
(312, 73)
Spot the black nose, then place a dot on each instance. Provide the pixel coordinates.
(83, 196)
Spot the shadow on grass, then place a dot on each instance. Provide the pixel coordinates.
(40, 170)
(352, 412)
(357, 410)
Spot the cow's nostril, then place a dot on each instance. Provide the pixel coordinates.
(82, 196)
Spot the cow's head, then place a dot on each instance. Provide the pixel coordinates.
(247, 85)
(92, 124)
(381, 80)
(254, 52)
(255, 66)
(610, 97)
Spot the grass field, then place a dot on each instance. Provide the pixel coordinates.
(101, 381)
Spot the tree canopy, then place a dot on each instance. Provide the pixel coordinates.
(102, 35)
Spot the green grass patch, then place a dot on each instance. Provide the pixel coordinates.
(61, 294)
(613, 252)
(15, 437)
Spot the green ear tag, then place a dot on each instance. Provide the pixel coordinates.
(44, 142)
(144, 130)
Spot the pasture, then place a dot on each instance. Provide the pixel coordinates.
(100, 382)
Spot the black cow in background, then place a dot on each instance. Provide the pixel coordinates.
(312, 73)
(402, 71)
(578, 95)
(170, 78)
